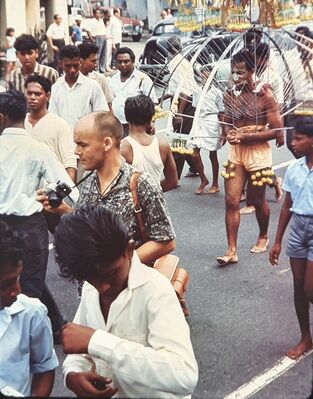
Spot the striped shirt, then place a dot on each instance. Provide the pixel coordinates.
(17, 79)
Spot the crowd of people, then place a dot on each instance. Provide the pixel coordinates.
(70, 146)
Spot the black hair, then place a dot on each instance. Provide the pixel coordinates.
(69, 51)
(262, 50)
(116, 10)
(244, 56)
(126, 50)
(13, 105)
(55, 16)
(139, 110)
(304, 125)
(95, 10)
(8, 31)
(11, 248)
(25, 43)
(252, 34)
(303, 30)
(44, 82)
(86, 49)
(89, 240)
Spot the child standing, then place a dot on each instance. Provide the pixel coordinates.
(27, 356)
(298, 204)
(11, 52)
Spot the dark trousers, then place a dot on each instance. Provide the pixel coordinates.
(34, 233)
(185, 128)
(101, 43)
(59, 43)
(113, 61)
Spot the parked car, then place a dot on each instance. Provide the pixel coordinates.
(132, 27)
(155, 53)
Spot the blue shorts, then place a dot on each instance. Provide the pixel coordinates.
(300, 241)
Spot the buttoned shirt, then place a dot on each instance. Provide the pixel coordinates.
(158, 224)
(25, 166)
(103, 82)
(71, 103)
(137, 83)
(56, 133)
(182, 76)
(144, 346)
(26, 344)
(97, 27)
(56, 31)
(116, 29)
(17, 79)
(298, 182)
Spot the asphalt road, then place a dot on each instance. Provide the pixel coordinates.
(242, 317)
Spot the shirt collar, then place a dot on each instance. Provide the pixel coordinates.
(7, 313)
(15, 131)
(37, 68)
(137, 273)
(80, 80)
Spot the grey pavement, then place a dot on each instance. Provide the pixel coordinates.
(242, 316)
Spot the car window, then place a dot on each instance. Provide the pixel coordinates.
(166, 29)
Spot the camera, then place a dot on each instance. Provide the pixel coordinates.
(56, 195)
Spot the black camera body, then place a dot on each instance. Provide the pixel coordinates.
(56, 195)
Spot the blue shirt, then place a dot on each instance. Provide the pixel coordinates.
(299, 183)
(26, 343)
(77, 30)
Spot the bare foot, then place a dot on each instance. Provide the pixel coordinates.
(246, 210)
(227, 259)
(300, 349)
(278, 189)
(260, 246)
(200, 189)
(243, 197)
(213, 189)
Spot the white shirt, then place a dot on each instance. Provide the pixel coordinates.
(137, 83)
(26, 344)
(147, 158)
(71, 103)
(182, 76)
(24, 162)
(145, 344)
(56, 133)
(56, 31)
(97, 27)
(116, 29)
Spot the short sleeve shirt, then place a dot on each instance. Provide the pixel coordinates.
(158, 224)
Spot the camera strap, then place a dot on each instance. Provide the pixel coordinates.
(83, 179)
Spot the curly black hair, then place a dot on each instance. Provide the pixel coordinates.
(87, 241)
(11, 248)
(13, 105)
(139, 110)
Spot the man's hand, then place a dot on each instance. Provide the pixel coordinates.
(44, 200)
(234, 136)
(280, 139)
(75, 338)
(84, 384)
(274, 254)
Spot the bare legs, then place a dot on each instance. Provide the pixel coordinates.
(200, 169)
(256, 197)
(302, 270)
(9, 68)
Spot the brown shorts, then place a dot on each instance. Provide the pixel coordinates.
(251, 156)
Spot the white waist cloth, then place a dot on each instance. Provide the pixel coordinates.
(147, 158)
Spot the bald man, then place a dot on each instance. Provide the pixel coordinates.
(97, 137)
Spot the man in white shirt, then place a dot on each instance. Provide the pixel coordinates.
(129, 331)
(24, 165)
(88, 57)
(56, 35)
(97, 32)
(128, 82)
(47, 127)
(116, 30)
(75, 95)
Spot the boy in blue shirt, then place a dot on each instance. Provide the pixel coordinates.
(27, 357)
(298, 184)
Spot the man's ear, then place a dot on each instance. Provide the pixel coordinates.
(107, 143)
(37, 54)
(3, 122)
(130, 249)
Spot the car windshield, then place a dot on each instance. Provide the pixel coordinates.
(165, 29)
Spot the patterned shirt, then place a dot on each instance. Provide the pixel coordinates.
(158, 224)
(17, 79)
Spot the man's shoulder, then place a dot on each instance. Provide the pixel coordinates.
(32, 307)
(58, 120)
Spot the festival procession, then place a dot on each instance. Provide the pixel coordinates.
(156, 198)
